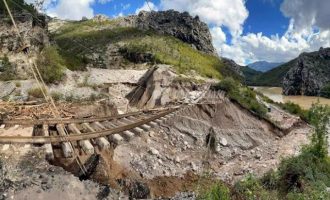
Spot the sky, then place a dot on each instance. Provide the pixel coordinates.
(243, 30)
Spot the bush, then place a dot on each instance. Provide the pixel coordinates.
(56, 96)
(7, 70)
(228, 85)
(245, 96)
(51, 65)
(250, 188)
(218, 191)
(325, 91)
(35, 92)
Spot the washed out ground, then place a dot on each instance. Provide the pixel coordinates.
(175, 157)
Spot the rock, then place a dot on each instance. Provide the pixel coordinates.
(154, 151)
(233, 65)
(100, 18)
(223, 142)
(180, 25)
(138, 190)
(6, 89)
(177, 159)
(308, 73)
(258, 156)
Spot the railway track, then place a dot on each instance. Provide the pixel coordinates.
(87, 133)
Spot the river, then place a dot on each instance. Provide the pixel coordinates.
(275, 93)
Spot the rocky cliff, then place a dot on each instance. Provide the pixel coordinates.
(308, 74)
(180, 25)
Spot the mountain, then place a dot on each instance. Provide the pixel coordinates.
(263, 66)
(273, 77)
(309, 74)
(164, 37)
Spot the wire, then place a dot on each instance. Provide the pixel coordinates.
(43, 87)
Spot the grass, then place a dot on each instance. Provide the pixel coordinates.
(79, 39)
(245, 96)
(272, 77)
(51, 65)
(35, 92)
(7, 70)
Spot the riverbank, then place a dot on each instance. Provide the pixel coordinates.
(275, 94)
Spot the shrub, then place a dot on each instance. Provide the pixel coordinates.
(325, 91)
(51, 65)
(7, 70)
(228, 85)
(250, 188)
(56, 96)
(245, 96)
(35, 92)
(217, 191)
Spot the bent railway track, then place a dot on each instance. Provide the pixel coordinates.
(87, 132)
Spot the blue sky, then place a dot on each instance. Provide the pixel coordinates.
(243, 30)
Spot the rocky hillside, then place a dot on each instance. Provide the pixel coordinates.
(165, 37)
(309, 74)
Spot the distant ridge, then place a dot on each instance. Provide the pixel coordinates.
(264, 66)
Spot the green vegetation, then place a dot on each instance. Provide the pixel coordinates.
(249, 75)
(245, 96)
(172, 51)
(217, 191)
(35, 92)
(51, 65)
(56, 96)
(290, 107)
(88, 38)
(272, 77)
(17, 7)
(325, 91)
(6, 69)
(302, 177)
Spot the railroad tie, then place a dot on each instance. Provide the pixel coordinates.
(108, 124)
(102, 142)
(153, 124)
(145, 127)
(158, 121)
(66, 146)
(128, 135)
(116, 139)
(138, 131)
(48, 146)
(86, 145)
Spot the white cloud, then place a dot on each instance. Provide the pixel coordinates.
(307, 13)
(72, 9)
(229, 13)
(147, 6)
(104, 1)
(309, 29)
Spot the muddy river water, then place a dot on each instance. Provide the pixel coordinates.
(275, 93)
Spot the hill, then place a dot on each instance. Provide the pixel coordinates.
(309, 75)
(273, 77)
(131, 41)
(263, 66)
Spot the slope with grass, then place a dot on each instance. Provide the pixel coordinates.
(273, 78)
(108, 44)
